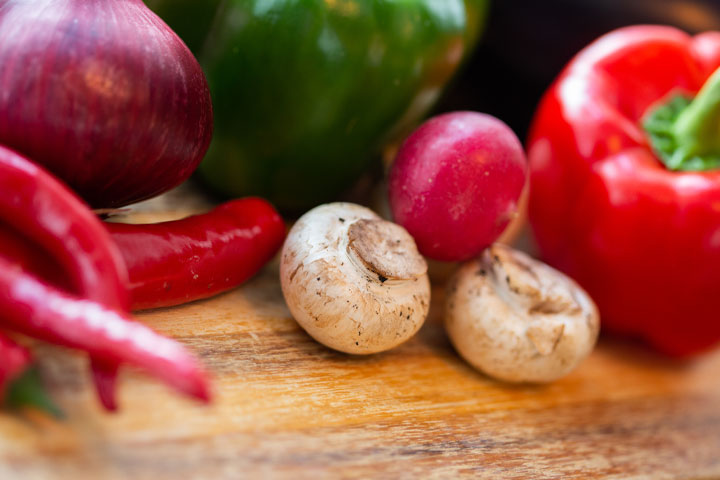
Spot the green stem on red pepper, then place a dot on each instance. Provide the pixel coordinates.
(640, 237)
(20, 384)
(27, 391)
(685, 133)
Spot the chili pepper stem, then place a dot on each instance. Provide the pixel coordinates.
(27, 391)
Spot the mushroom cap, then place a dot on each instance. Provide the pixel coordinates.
(517, 319)
(353, 281)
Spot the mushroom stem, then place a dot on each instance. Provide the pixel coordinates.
(381, 248)
(546, 336)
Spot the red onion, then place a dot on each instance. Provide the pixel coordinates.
(103, 94)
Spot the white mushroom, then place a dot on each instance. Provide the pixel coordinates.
(517, 319)
(353, 281)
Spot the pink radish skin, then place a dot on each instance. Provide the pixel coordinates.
(456, 183)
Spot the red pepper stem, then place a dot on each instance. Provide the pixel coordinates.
(684, 132)
(697, 128)
(27, 391)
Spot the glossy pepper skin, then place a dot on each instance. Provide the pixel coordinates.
(176, 262)
(643, 240)
(172, 263)
(67, 236)
(306, 92)
(34, 308)
(57, 222)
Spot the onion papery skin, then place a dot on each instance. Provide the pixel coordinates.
(103, 94)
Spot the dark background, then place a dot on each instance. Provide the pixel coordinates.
(528, 42)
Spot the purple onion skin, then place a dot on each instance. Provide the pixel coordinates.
(104, 95)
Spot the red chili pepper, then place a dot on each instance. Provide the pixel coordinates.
(32, 258)
(172, 263)
(36, 309)
(176, 262)
(47, 213)
(56, 221)
(625, 185)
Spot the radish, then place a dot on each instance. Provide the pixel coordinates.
(456, 183)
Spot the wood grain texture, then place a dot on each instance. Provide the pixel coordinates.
(287, 407)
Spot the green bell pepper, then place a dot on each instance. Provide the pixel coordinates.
(306, 92)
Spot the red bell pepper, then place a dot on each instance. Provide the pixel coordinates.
(625, 182)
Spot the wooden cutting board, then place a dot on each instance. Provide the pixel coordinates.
(286, 407)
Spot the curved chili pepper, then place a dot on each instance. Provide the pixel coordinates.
(47, 213)
(176, 262)
(34, 308)
(32, 258)
(34, 203)
(15, 360)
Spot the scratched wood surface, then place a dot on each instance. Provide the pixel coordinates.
(287, 407)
